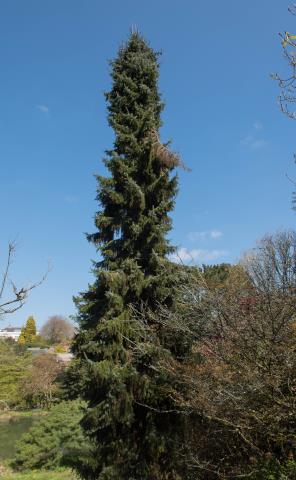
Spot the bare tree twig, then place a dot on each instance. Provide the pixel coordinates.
(12, 302)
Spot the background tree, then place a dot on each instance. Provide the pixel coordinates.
(28, 332)
(57, 329)
(14, 365)
(22, 338)
(216, 275)
(30, 329)
(241, 374)
(287, 83)
(133, 429)
(40, 386)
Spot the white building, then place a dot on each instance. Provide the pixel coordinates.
(10, 332)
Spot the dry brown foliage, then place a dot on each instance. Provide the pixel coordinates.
(57, 329)
(40, 386)
(166, 156)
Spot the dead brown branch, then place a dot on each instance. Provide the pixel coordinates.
(166, 156)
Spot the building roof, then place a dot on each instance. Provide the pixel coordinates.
(11, 329)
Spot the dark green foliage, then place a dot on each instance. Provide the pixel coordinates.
(216, 275)
(51, 439)
(275, 470)
(130, 419)
(73, 378)
(14, 364)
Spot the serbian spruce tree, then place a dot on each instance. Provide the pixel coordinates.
(132, 429)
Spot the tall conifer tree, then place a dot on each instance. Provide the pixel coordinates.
(28, 333)
(30, 329)
(132, 439)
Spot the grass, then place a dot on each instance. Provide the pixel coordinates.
(39, 475)
(22, 413)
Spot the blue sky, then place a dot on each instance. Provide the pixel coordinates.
(221, 113)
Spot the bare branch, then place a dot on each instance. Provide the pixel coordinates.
(12, 302)
(11, 249)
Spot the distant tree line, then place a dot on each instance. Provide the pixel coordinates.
(56, 330)
(30, 381)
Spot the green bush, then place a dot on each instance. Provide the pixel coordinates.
(52, 438)
(14, 364)
(274, 470)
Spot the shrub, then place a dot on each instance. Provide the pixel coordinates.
(49, 440)
(14, 365)
(40, 387)
(274, 470)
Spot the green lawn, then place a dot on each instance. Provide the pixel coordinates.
(39, 475)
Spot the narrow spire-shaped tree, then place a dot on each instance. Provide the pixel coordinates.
(28, 332)
(131, 436)
(30, 329)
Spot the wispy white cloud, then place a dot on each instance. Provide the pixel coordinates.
(196, 255)
(216, 233)
(257, 125)
(43, 108)
(253, 142)
(193, 236)
(260, 143)
(71, 199)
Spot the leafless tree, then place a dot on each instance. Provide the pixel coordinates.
(57, 329)
(287, 84)
(238, 386)
(12, 301)
(40, 387)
